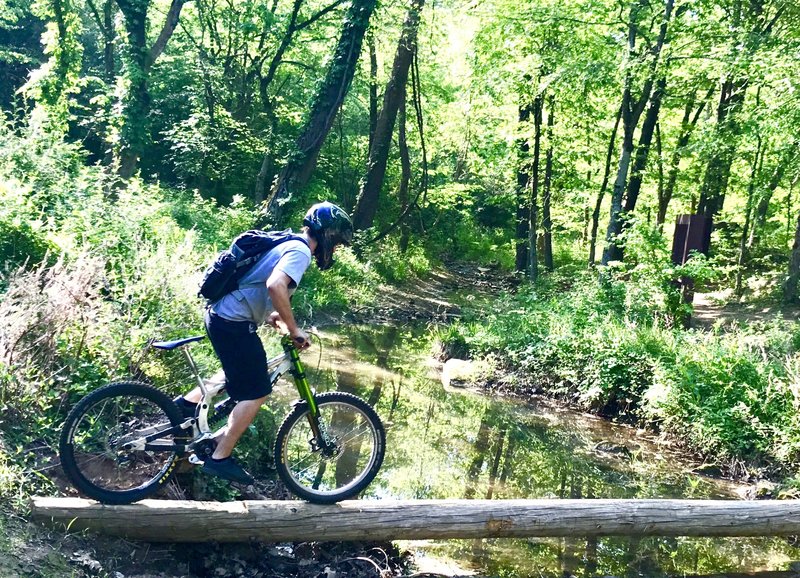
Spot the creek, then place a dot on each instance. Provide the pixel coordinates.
(465, 443)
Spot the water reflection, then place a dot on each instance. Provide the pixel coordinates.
(457, 443)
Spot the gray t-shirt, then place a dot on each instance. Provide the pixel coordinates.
(251, 301)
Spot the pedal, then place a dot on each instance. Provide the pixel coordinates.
(193, 459)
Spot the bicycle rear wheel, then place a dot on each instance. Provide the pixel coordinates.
(94, 436)
(351, 460)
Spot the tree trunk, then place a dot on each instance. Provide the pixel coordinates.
(324, 108)
(136, 103)
(631, 112)
(494, 470)
(109, 65)
(405, 172)
(603, 188)
(377, 520)
(522, 201)
(643, 149)
(786, 159)
(135, 132)
(533, 261)
(688, 124)
(373, 87)
(369, 197)
(758, 160)
(267, 170)
(612, 251)
(547, 222)
(476, 465)
(732, 96)
(790, 285)
(718, 168)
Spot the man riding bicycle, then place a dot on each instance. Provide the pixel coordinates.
(264, 295)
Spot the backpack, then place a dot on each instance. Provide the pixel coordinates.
(223, 275)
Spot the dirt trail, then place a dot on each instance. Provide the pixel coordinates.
(438, 297)
(710, 309)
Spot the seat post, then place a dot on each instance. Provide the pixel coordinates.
(195, 371)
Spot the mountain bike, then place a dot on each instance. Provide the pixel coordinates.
(122, 442)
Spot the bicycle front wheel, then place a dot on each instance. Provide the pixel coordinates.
(341, 466)
(102, 442)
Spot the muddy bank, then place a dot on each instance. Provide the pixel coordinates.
(32, 552)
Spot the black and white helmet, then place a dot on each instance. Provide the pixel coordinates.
(330, 226)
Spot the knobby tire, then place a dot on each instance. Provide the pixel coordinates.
(90, 442)
(361, 445)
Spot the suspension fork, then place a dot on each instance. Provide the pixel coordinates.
(304, 390)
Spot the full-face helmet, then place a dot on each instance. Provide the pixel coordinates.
(330, 226)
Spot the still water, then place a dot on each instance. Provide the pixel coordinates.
(458, 443)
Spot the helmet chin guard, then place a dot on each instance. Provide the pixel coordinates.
(330, 226)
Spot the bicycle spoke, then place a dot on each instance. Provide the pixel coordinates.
(324, 473)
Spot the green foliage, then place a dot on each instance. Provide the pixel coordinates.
(218, 152)
(394, 265)
(349, 283)
(455, 212)
(645, 284)
(611, 345)
(21, 244)
(58, 78)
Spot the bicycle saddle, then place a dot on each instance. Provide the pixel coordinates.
(170, 345)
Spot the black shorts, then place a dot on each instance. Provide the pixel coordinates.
(242, 354)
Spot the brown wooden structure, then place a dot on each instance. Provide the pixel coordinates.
(279, 521)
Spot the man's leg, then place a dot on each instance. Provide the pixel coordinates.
(240, 419)
(194, 396)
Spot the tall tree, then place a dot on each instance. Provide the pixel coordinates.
(405, 173)
(643, 148)
(547, 220)
(53, 84)
(266, 69)
(786, 158)
(688, 124)
(533, 203)
(790, 285)
(522, 199)
(632, 108)
(752, 24)
(603, 188)
(393, 95)
(324, 108)
(139, 59)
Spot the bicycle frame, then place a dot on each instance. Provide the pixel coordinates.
(286, 362)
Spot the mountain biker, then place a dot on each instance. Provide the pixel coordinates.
(264, 296)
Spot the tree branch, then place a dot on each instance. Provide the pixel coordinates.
(98, 20)
(318, 15)
(173, 15)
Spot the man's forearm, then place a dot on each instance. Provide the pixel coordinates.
(280, 302)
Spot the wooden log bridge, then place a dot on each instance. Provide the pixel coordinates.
(286, 521)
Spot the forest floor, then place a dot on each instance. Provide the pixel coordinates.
(440, 297)
(719, 309)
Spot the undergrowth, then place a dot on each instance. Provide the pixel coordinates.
(613, 342)
(92, 271)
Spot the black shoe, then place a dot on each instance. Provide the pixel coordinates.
(228, 469)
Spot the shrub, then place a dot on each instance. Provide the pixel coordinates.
(731, 395)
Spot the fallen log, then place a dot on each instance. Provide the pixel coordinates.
(286, 521)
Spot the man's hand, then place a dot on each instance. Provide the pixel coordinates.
(300, 339)
(276, 322)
